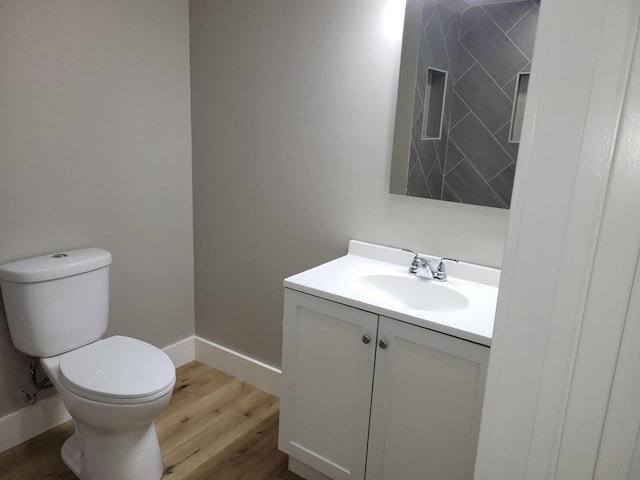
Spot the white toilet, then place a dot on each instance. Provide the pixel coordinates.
(57, 309)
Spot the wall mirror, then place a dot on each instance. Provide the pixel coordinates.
(463, 82)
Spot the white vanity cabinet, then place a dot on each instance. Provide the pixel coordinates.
(372, 398)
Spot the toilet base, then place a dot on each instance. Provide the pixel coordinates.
(71, 454)
(93, 454)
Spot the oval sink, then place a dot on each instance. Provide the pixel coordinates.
(409, 291)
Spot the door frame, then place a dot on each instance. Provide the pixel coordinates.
(571, 251)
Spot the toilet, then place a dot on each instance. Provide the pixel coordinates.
(57, 309)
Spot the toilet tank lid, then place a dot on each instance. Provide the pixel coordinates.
(55, 265)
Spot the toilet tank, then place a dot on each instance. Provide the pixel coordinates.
(57, 302)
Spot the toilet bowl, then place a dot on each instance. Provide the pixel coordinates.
(57, 310)
(113, 389)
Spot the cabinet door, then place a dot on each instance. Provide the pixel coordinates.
(426, 405)
(327, 374)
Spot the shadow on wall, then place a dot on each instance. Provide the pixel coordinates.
(15, 372)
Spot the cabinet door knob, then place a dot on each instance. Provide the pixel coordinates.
(383, 344)
(366, 339)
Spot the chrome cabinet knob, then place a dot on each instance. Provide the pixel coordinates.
(383, 344)
(366, 339)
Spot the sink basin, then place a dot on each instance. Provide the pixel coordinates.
(376, 279)
(409, 291)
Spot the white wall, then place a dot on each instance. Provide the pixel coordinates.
(95, 151)
(293, 104)
(562, 388)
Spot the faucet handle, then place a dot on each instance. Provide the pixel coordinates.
(442, 271)
(415, 263)
(448, 259)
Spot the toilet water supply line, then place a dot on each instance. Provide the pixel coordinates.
(43, 384)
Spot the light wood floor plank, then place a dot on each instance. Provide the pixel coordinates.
(215, 428)
(214, 436)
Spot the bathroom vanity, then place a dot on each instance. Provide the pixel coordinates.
(383, 371)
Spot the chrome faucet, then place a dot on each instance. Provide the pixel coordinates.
(438, 273)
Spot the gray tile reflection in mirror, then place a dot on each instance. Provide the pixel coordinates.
(487, 50)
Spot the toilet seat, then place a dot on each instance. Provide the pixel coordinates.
(119, 370)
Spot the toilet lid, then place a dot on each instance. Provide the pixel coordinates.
(117, 368)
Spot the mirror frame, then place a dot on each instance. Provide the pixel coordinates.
(404, 107)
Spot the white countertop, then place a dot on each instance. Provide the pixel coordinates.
(333, 281)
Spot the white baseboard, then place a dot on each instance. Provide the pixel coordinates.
(31, 421)
(259, 374)
(182, 352)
